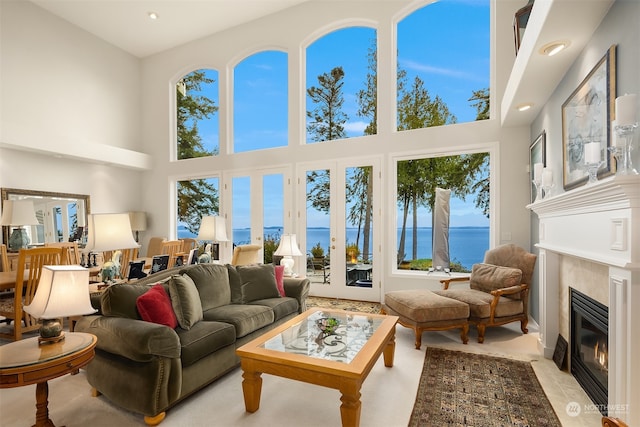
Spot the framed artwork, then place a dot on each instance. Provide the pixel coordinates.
(586, 118)
(193, 256)
(159, 263)
(136, 270)
(537, 154)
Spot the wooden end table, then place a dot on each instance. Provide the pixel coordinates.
(298, 350)
(25, 362)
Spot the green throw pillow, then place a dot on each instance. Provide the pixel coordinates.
(258, 282)
(185, 300)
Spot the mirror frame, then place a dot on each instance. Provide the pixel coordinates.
(6, 192)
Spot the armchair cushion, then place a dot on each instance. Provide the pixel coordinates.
(488, 277)
(185, 300)
(480, 303)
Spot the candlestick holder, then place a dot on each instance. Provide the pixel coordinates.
(538, 184)
(592, 170)
(622, 151)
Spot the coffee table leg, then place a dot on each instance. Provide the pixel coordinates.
(42, 406)
(351, 405)
(389, 351)
(251, 388)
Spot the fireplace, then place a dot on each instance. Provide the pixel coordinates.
(589, 347)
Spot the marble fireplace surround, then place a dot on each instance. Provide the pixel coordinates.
(590, 240)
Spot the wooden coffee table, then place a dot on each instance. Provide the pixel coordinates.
(298, 350)
(25, 362)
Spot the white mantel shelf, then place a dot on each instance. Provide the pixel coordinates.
(599, 223)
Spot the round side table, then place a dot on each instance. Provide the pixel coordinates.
(25, 362)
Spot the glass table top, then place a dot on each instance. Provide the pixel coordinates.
(328, 335)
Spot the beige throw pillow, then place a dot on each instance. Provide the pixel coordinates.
(488, 277)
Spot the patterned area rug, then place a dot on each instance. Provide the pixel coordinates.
(466, 389)
(344, 304)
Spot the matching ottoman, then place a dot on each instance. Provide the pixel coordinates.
(422, 310)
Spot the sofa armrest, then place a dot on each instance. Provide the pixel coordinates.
(134, 339)
(298, 288)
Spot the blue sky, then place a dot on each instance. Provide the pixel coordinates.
(445, 43)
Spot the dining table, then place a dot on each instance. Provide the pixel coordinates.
(8, 280)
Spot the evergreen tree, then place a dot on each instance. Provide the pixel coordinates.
(198, 197)
(327, 118)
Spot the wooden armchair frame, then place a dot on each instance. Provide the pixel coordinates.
(516, 257)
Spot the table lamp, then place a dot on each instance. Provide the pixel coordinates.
(288, 248)
(213, 229)
(109, 232)
(63, 291)
(18, 213)
(138, 222)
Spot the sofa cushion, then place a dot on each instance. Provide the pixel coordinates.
(245, 318)
(258, 282)
(155, 306)
(212, 281)
(488, 277)
(185, 300)
(120, 300)
(235, 284)
(203, 339)
(282, 307)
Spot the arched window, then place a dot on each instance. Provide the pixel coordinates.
(341, 92)
(260, 102)
(443, 64)
(197, 102)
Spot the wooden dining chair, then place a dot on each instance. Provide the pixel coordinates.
(4, 259)
(171, 248)
(30, 263)
(188, 244)
(70, 252)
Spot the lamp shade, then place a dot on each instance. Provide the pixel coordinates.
(19, 212)
(63, 291)
(288, 246)
(213, 229)
(138, 221)
(108, 232)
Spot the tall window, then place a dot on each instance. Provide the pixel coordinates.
(341, 85)
(260, 102)
(443, 71)
(196, 198)
(446, 198)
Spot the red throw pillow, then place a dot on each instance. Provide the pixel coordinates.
(155, 306)
(280, 279)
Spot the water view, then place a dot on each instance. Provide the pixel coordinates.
(467, 245)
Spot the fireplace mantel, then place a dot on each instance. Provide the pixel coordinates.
(599, 223)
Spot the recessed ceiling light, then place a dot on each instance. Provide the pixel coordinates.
(524, 107)
(553, 48)
(153, 16)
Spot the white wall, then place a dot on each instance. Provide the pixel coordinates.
(63, 94)
(291, 31)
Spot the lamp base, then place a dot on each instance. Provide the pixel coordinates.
(50, 331)
(18, 239)
(288, 264)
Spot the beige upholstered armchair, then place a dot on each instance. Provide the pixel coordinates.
(498, 290)
(246, 254)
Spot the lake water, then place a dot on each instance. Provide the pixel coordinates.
(467, 245)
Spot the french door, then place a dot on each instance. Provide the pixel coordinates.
(259, 208)
(339, 227)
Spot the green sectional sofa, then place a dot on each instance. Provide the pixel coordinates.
(196, 318)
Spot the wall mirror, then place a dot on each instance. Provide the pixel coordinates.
(61, 216)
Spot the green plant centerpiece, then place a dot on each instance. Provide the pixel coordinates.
(328, 325)
(317, 251)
